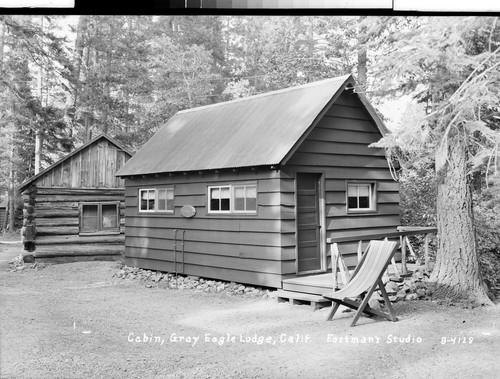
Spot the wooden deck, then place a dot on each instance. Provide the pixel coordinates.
(313, 284)
(322, 283)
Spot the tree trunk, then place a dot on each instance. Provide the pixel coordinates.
(2, 42)
(72, 97)
(107, 80)
(362, 55)
(38, 132)
(456, 272)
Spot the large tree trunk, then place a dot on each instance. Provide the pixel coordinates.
(456, 273)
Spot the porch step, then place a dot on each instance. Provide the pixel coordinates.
(315, 301)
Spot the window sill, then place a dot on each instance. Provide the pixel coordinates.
(361, 211)
(99, 233)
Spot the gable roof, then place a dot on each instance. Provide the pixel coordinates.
(253, 131)
(26, 184)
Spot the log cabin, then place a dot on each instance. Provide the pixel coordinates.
(249, 190)
(74, 209)
(3, 215)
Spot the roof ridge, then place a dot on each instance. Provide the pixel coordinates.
(272, 93)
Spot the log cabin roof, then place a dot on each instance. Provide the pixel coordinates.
(28, 182)
(254, 131)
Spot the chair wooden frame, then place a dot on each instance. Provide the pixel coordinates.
(366, 278)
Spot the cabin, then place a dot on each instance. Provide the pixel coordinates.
(74, 209)
(249, 190)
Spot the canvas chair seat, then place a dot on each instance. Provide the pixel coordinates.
(366, 278)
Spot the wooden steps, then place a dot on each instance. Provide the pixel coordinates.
(314, 301)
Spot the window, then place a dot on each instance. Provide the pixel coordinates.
(233, 199)
(100, 217)
(361, 197)
(165, 200)
(156, 200)
(220, 199)
(245, 198)
(147, 200)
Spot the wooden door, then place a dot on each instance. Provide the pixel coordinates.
(308, 223)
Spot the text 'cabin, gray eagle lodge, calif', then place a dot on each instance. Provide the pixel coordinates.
(249, 190)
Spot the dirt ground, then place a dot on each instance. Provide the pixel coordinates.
(76, 320)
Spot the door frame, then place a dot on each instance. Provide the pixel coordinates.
(322, 223)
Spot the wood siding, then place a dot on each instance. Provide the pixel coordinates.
(338, 148)
(233, 247)
(93, 167)
(261, 249)
(57, 221)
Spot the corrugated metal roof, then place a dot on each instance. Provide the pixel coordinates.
(253, 131)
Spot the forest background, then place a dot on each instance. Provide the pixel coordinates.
(66, 79)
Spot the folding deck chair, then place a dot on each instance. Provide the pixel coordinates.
(366, 278)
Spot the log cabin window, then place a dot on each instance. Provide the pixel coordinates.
(96, 218)
(361, 197)
(156, 200)
(233, 199)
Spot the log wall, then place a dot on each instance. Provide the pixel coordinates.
(52, 223)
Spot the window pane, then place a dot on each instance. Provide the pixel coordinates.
(151, 200)
(170, 194)
(364, 202)
(364, 190)
(251, 204)
(214, 205)
(170, 200)
(352, 190)
(90, 218)
(224, 193)
(251, 198)
(162, 200)
(239, 198)
(224, 204)
(214, 193)
(144, 201)
(239, 191)
(239, 204)
(352, 202)
(251, 191)
(109, 216)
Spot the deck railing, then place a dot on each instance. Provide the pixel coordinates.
(403, 232)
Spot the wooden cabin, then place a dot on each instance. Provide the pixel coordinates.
(249, 190)
(74, 209)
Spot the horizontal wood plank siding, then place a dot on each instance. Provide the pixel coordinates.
(338, 149)
(244, 248)
(220, 273)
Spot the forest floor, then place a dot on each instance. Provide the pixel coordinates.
(77, 320)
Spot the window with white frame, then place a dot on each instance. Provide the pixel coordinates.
(245, 198)
(361, 197)
(240, 198)
(100, 217)
(156, 200)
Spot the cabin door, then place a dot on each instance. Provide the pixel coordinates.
(308, 223)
